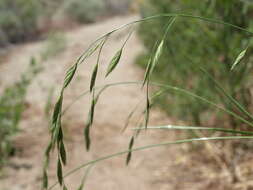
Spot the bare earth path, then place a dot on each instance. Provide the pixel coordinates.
(148, 169)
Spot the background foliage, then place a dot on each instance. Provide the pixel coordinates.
(12, 104)
(18, 19)
(191, 45)
(85, 10)
(21, 20)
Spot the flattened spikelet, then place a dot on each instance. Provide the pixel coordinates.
(59, 172)
(57, 109)
(93, 77)
(239, 58)
(87, 137)
(114, 62)
(63, 153)
(69, 76)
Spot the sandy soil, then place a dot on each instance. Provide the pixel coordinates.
(162, 168)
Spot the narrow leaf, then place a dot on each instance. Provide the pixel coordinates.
(65, 188)
(222, 90)
(63, 153)
(239, 58)
(69, 76)
(114, 62)
(59, 172)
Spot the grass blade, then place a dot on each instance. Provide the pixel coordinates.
(176, 127)
(222, 90)
(154, 146)
(173, 88)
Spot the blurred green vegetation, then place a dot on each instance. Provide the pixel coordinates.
(55, 44)
(12, 104)
(192, 44)
(22, 20)
(18, 19)
(85, 10)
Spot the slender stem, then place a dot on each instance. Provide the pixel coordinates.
(183, 91)
(175, 127)
(79, 60)
(149, 147)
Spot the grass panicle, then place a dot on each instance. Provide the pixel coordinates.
(56, 131)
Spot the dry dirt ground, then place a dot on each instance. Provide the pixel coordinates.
(162, 168)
